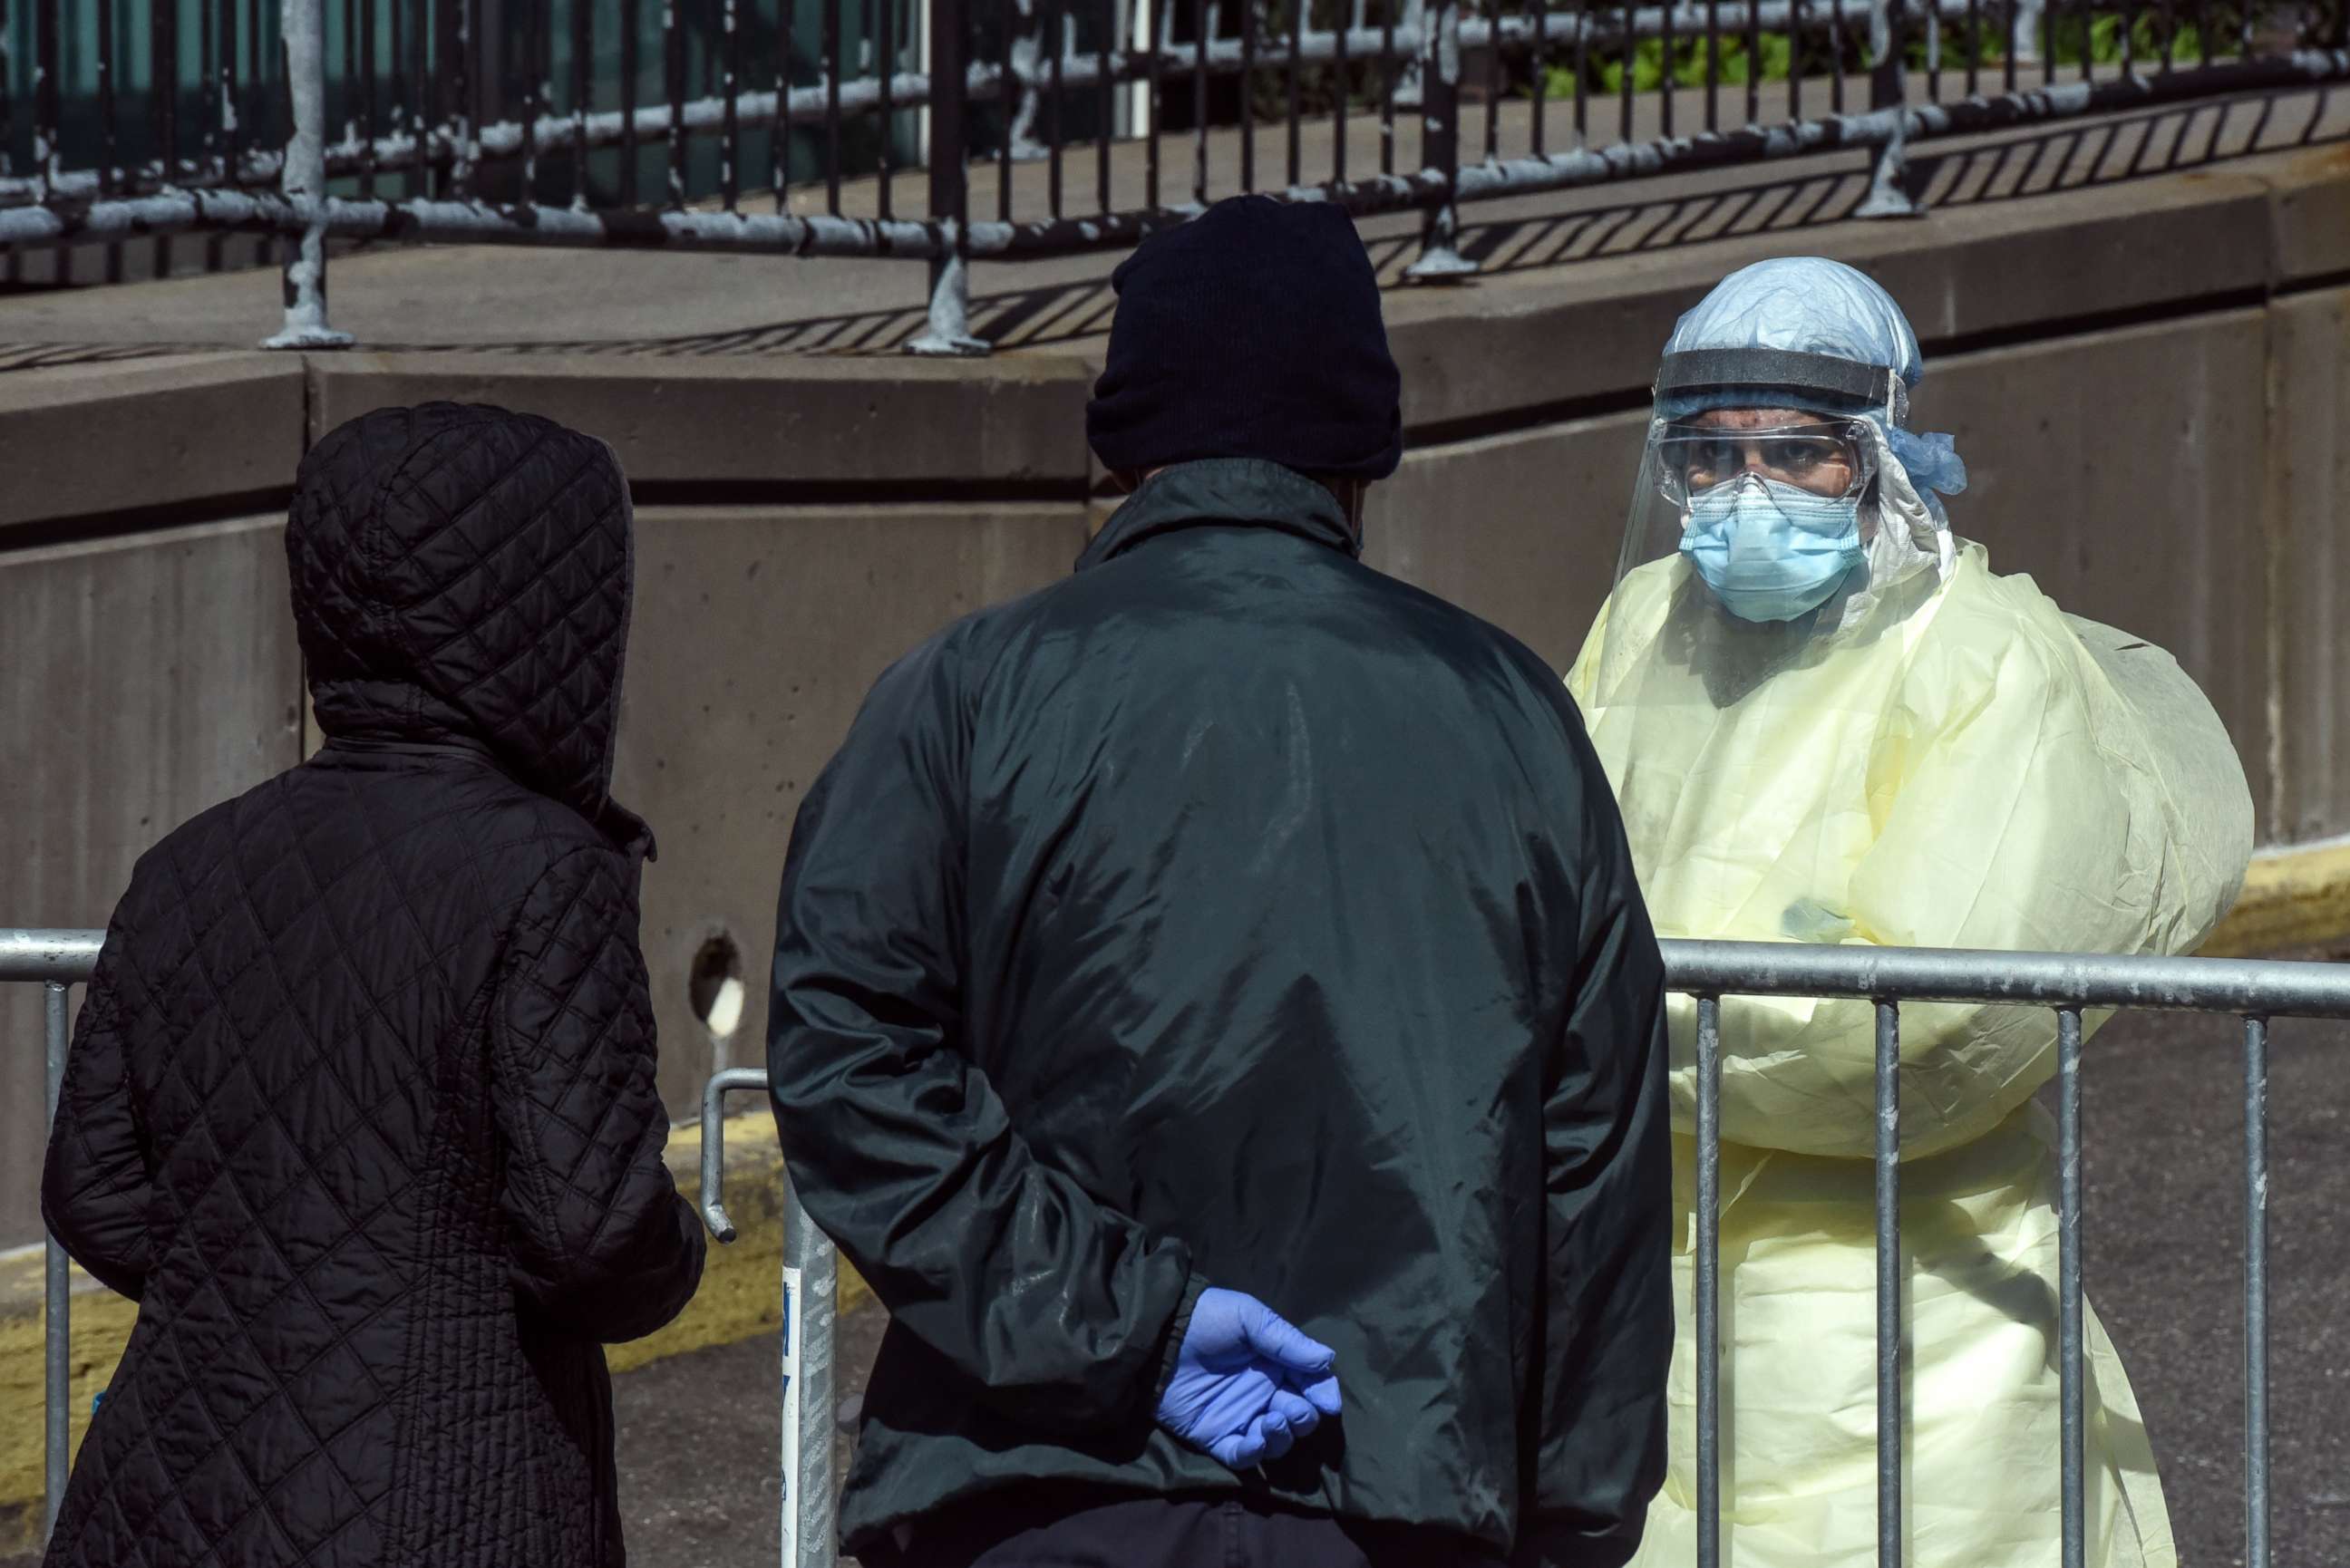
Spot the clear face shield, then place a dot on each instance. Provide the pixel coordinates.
(1761, 532)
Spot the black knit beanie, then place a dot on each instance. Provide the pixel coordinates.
(1251, 331)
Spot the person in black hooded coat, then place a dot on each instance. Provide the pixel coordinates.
(360, 1105)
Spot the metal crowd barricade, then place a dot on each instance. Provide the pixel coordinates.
(2252, 990)
(55, 960)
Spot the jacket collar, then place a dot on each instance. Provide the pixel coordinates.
(1243, 492)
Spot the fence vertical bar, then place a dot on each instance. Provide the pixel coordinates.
(673, 88)
(1388, 89)
(1538, 69)
(1582, 71)
(1341, 89)
(1105, 54)
(1008, 98)
(2074, 1418)
(8, 102)
(304, 25)
(1665, 83)
(1161, 16)
(583, 54)
(1631, 58)
(258, 58)
(1440, 139)
(1888, 92)
(1713, 64)
(630, 70)
(2256, 1293)
(163, 35)
(885, 68)
(56, 1329)
(1707, 1308)
(1797, 37)
(832, 105)
(1888, 1284)
(419, 76)
(1296, 87)
(107, 140)
(1753, 62)
(365, 87)
(1836, 53)
(948, 332)
(1055, 34)
(730, 135)
(46, 96)
(1203, 24)
(1974, 47)
(1494, 81)
(1248, 100)
(207, 93)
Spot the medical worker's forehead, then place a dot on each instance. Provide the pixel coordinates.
(1761, 418)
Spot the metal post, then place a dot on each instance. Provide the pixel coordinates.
(1441, 260)
(811, 1284)
(1888, 1285)
(57, 1336)
(2256, 1293)
(1888, 92)
(1707, 1307)
(2071, 1372)
(948, 332)
(304, 25)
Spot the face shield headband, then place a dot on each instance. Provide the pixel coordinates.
(1768, 375)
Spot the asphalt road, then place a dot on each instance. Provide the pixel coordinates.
(2164, 1226)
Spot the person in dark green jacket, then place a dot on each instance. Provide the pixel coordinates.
(1214, 1011)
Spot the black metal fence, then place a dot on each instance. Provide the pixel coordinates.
(1039, 127)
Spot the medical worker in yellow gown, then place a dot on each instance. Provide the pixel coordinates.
(1829, 721)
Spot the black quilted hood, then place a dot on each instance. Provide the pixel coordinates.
(463, 573)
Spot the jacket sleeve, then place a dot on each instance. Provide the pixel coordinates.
(97, 1178)
(1607, 1323)
(1058, 1307)
(599, 1239)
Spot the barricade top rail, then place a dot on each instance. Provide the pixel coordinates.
(37, 954)
(2266, 987)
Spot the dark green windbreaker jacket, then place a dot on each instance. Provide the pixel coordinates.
(1232, 913)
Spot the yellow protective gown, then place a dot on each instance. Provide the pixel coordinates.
(1963, 767)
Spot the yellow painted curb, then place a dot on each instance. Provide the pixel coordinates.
(740, 1297)
(2292, 898)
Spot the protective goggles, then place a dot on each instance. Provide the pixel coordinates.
(1828, 458)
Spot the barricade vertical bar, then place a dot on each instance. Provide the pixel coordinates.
(304, 24)
(811, 1279)
(56, 1333)
(1888, 1285)
(1708, 1306)
(2256, 1293)
(2071, 1372)
(1439, 237)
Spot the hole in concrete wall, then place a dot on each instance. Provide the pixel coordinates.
(714, 989)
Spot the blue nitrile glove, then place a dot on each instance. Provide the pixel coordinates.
(1247, 1384)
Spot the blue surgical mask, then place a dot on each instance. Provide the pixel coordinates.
(1770, 551)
